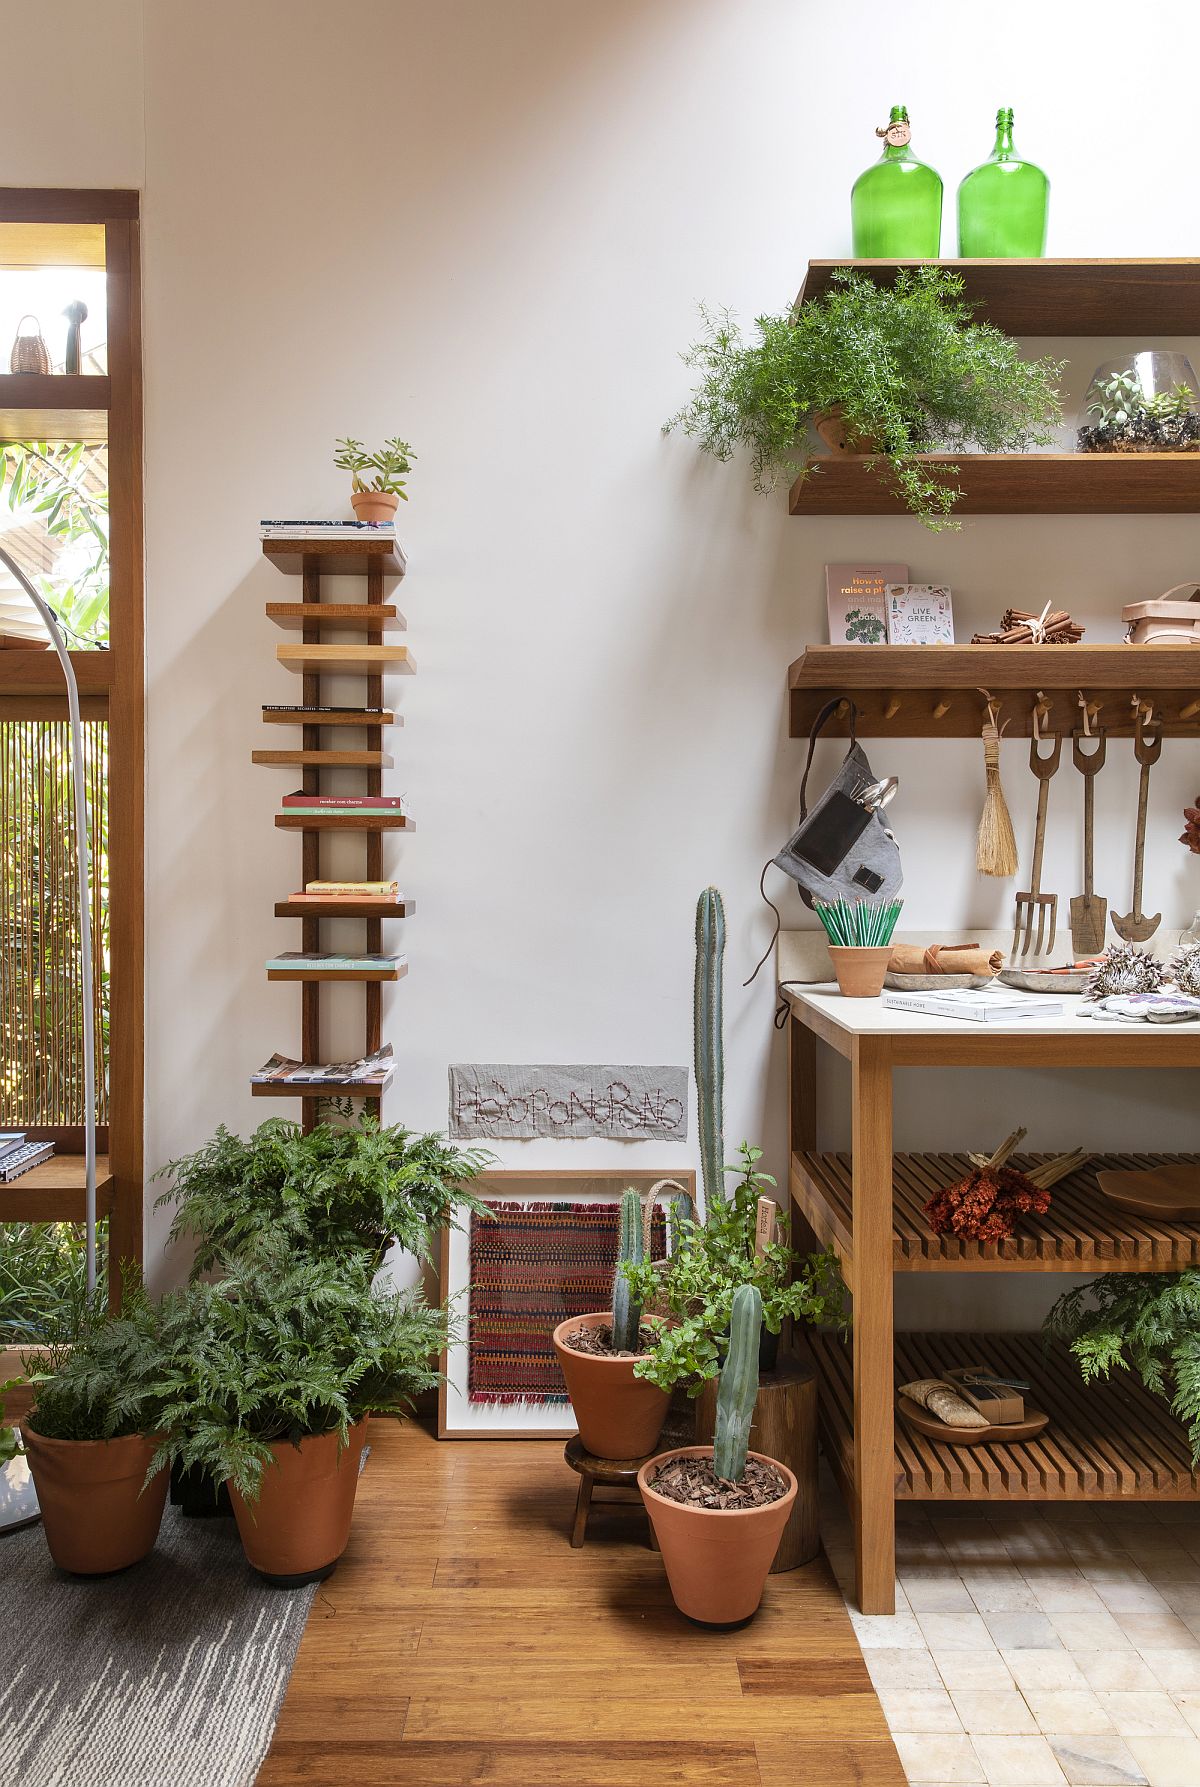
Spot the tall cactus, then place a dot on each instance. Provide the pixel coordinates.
(708, 1023)
(738, 1387)
(627, 1315)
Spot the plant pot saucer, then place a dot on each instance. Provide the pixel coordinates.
(300, 1580)
(921, 1421)
(1171, 1193)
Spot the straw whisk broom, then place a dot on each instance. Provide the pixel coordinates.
(996, 846)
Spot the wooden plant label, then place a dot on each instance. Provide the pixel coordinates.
(764, 1228)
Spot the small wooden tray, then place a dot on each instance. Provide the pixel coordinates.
(1168, 1191)
(923, 1422)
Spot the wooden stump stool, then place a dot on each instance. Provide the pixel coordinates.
(609, 1473)
(784, 1427)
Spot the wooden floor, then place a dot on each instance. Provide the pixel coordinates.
(461, 1640)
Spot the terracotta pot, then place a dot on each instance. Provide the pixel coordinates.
(300, 1525)
(374, 505)
(860, 972)
(97, 1517)
(717, 1561)
(831, 426)
(619, 1415)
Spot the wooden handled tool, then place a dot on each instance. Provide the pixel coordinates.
(1035, 901)
(1135, 927)
(1089, 914)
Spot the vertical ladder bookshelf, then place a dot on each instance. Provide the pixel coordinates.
(373, 558)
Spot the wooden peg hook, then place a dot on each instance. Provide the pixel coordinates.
(941, 707)
(891, 707)
(1190, 711)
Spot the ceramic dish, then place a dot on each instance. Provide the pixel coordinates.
(1046, 980)
(921, 1421)
(934, 983)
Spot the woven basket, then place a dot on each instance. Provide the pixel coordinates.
(658, 1305)
(29, 352)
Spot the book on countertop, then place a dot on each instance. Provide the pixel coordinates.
(977, 1006)
(330, 960)
(370, 1070)
(355, 890)
(292, 707)
(854, 595)
(27, 1156)
(919, 614)
(375, 803)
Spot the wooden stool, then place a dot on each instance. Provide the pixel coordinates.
(609, 1473)
(784, 1427)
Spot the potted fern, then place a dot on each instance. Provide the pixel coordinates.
(719, 1511)
(268, 1380)
(377, 479)
(893, 372)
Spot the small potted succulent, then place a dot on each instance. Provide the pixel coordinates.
(719, 1511)
(619, 1412)
(377, 479)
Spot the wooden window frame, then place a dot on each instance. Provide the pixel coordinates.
(112, 687)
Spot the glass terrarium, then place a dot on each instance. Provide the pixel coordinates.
(1144, 403)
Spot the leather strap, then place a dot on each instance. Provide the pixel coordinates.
(829, 708)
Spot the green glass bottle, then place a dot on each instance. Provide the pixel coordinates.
(896, 205)
(1002, 204)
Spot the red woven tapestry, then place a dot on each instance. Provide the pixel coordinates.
(532, 1266)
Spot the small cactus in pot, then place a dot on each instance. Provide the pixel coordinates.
(626, 1311)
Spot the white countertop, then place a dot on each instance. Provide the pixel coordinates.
(871, 1017)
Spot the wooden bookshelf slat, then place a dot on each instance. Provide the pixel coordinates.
(1012, 484)
(345, 822)
(327, 1089)
(321, 976)
(55, 1191)
(338, 558)
(350, 660)
(346, 908)
(370, 723)
(347, 615)
(54, 406)
(325, 759)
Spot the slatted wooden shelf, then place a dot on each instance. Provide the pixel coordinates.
(343, 909)
(1081, 1231)
(1013, 484)
(344, 822)
(338, 558)
(55, 406)
(371, 617)
(1058, 297)
(326, 976)
(350, 660)
(370, 722)
(327, 1089)
(1106, 1441)
(325, 759)
(923, 691)
(55, 1191)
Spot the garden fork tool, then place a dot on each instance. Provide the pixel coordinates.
(1135, 927)
(1089, 913)
(1035, 902)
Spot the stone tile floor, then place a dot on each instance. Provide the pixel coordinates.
(1037, 1645)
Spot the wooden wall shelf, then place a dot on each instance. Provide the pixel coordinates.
(343, 909)
(54, 406)
(350, 660)
(312, 1094)
(295, 616)
(55, 1191)
(1013, 484)
(927, 691)
(380, 555)
(270, 718)
(36, 672)
(1106, 1441)
(1059, 297)
(1081, 1232)
(328, 976)
(325, 759)
(344, 822)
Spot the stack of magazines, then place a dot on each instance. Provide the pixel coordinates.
(371, 1070)
(17, 1155)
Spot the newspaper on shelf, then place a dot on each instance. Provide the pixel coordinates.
(370, 1070)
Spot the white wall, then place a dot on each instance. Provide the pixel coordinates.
(486, 227)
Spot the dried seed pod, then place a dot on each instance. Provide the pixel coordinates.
(1125, 969)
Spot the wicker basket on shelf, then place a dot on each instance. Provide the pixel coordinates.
(29, 352)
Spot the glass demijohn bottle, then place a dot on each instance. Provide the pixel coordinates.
(1002, 204)
(896, 204)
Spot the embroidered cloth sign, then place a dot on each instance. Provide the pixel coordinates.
(631, 1104)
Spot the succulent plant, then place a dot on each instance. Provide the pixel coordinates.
(738, 1388)
(1125, 969)
(627, 1314)
(1184, 969)
(709, 1038)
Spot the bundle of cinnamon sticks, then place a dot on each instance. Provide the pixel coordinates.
(1019, 628)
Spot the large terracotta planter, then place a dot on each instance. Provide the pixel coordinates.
(97, 1516)
(374, 505)
(619, 1415)
(300, 1525)
(840, 439)
(717, 1562)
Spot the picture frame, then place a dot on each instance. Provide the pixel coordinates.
(500, 1411)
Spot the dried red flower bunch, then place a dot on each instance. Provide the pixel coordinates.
(986, 1204)
(1191, 828)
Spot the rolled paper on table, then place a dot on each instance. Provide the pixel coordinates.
(944, 958)
(934, 1394)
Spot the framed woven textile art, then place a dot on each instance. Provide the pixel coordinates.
(544, 1252)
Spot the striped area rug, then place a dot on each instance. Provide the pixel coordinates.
(170, 1673)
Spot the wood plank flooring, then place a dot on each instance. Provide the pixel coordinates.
(461, 1641)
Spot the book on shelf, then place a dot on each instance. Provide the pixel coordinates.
(10, 1141)
(292, 707)
(27, 1156)
(976, 1006)
(323, 530)
(919, 614)
(854, 596)
(372, 803)
(330, 961)
(354, 890)
(370, 1070)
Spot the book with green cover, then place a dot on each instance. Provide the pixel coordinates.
(327, 960)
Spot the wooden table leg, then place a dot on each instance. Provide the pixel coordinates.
(583, 1502)
(871, 1284)
(802, 1087)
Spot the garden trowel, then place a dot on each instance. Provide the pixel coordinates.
(1089, 913)
(1135, 927)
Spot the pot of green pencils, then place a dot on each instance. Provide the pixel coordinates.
(860, 942)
